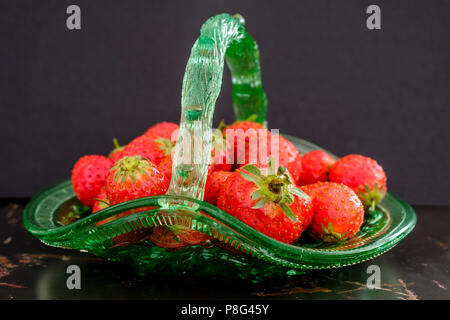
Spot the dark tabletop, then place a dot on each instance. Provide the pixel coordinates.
(417, 268)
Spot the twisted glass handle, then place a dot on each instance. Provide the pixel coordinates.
(221, 37)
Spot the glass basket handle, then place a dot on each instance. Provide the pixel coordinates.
(222, 38)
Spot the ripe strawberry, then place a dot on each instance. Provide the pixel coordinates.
(154, 149)
(214, 182)
(117, 153)
(165, 167)
(244, 125)
(269, 203)
(88, 177)
(364, 175)
(162, 130)
(316, 167)
(132, 178)
(289, 157)
(176, 236)
(101, 201)
(271, 145)
(240, 137)
(338, 212)
(219, 159)
(256, 147)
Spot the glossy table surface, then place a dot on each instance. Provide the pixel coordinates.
(417, 268)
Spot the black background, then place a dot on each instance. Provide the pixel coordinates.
(330, 80)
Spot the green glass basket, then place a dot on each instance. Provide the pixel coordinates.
(232, 247)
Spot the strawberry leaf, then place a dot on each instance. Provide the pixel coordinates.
(272, 166)
(251, 178)
(124, 177)
(117, 166)
(133, 176)
(142, 171)
(145, 165)
(298, 192)
(260, 203)
(288, 199)
(288, 212)
(253, 170)
(257, 194)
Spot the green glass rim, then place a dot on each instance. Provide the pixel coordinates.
(292, 255)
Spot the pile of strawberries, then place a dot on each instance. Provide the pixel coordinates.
(279, 196)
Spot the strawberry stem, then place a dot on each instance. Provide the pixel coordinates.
(116, 143)
(222, 125)
(276, 186)
(165, 145)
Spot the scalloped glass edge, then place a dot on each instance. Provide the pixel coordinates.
(40, 219)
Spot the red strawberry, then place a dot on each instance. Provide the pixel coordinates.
(162, 130)
(88, 177)
(176, 236)
(316, 167)
(257, 147)
(338, 212)
(364, 175)
(154, 149)
(219, 159)
(165, 167)
(273, 145)
(102, 202)
(289, 157)
(243, 139)
(117, 153)
(132, 178)
(245, 125)
(269, 203)
(214, 182)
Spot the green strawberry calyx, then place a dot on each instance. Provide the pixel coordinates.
(328, 235)
(129, 166)
(371, 197)
(276, 186)
(165, 145)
